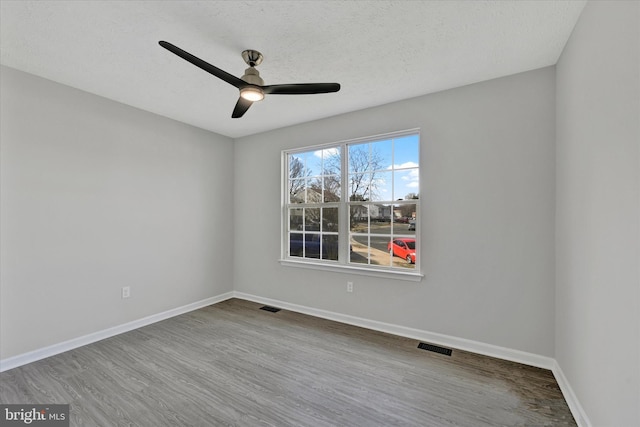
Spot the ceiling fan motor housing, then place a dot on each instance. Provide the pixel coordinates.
(252, 76)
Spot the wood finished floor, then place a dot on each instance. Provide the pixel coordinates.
(232, 364)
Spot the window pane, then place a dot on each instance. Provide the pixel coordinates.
(378, 249)
(314, 163)
(312, 219)
(297, 167)
(405, 216)
(406, 150)
(404, 252)
(380, 214)
(330, 247)
(359, 251)
(312, 245)
(330, 219)
(359, 158)
(380, 219)
(297, 190)
(295, 219)
(381, 154)
(332, 188)
(331, 161)
(296, 244)
(381, 186)
(359, 219)
(314, 190)
(406, 184)
(359, 187)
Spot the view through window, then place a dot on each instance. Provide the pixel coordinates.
(355, 203)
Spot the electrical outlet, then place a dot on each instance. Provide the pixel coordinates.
(349, 286)
(126, 292)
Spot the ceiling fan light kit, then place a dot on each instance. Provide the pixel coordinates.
(251, 85)
(251, 93)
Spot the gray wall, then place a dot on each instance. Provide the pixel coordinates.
(598, 212)
(96, 195)
(487, 198)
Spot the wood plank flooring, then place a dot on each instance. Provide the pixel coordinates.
(232, 364)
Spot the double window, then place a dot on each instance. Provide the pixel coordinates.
(354, 203)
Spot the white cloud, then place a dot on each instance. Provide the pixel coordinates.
(412, 175)
(407, 180)
(405, 165)
(328, 152)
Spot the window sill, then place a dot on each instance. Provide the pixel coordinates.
(350, 269)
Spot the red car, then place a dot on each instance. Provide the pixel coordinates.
(403, 248)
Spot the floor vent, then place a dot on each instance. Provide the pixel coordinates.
(435, 348)
(271, 309)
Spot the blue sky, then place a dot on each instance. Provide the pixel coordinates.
(398, 158)
(398, 174)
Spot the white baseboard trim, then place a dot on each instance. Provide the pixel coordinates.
(574, 404)
(417, 334)
(52, 350)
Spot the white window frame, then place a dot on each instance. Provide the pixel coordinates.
(343, 265)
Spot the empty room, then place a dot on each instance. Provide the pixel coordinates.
(320, 213)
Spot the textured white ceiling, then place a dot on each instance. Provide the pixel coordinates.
(379, 51)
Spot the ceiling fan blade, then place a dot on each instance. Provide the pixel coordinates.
(301, 88)
(221, 74)
(241, 107)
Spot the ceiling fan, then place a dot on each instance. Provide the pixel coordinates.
(251, 86)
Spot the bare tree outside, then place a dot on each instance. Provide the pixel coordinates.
(330, 179)
(364, 167)
(297, 179)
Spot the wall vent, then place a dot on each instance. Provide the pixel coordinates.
(435, 348)
(269, 308)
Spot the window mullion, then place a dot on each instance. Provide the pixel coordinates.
(343, 211)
